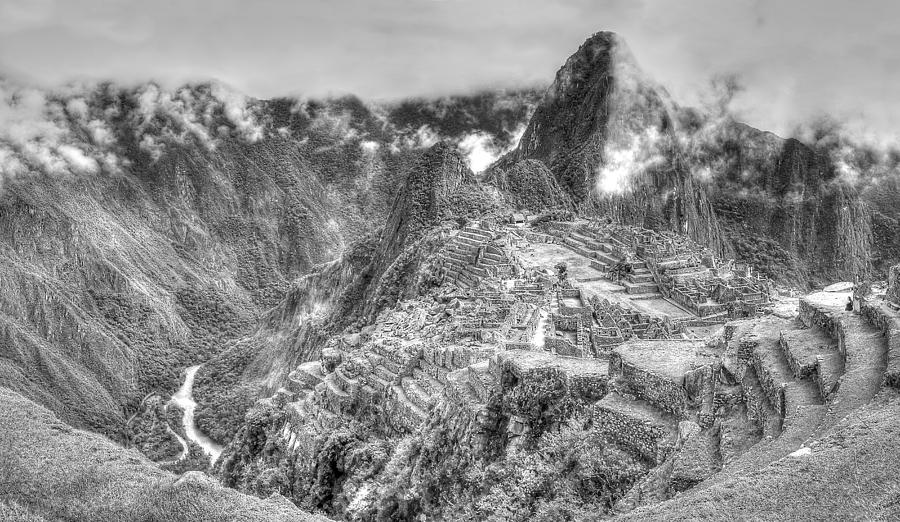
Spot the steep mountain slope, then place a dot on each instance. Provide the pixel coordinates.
(143, 231)
(437, 192)
(619, 146)
(146, 230)
(788, 198)
(528, 184)
(386, 414)
(606, 131)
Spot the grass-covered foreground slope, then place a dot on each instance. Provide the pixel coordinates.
(50, 471)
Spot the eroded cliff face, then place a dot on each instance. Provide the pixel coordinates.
(786, 198)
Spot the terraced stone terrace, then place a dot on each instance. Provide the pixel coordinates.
(698, 398)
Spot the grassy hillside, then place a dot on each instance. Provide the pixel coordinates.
(50, 471)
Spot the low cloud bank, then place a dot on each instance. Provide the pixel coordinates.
(77, 130)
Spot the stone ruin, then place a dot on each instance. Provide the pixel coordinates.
(893, 291)
(648, 262)
(502, 316)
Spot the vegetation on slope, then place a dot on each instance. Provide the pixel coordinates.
(49, 470)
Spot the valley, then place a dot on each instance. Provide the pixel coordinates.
(316, 309)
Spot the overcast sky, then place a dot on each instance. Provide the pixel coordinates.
(798, 59)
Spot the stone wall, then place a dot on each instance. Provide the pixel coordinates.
(883, 317)
(587, 380)
(663, 392)
(810, 315)
(631, 425)
(893, 292)
(562, 346)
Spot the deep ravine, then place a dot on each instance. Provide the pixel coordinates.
(184, 399)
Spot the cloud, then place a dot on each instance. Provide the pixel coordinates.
(482, 149)
(624, 162)
(238, 113)
(69, 130)
(369, 147)
(33, 134)
(478, 150)
(423, 138)
(796, 59)
(78, 161)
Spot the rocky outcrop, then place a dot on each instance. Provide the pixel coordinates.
(528, 185)
(785, 208)
(606, 132)
(439, 189)
(621, 149)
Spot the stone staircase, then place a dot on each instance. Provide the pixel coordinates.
(861, 345)
(586, 243)
(786, 405)
(480, 380)
(810, 353)
(416, 393)
(464, 265)
(640, 280)
(461, 391)
(404, 414)
(811, 373)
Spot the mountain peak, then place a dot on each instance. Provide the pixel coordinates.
(599, 96)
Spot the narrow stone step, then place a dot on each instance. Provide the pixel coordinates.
(484, 234)
(477, 271)
(461, 390)
(416, 394)
(463, 240)
(480, 379)
(646, 277)
(606, 258)
(414, 415)
(587, 241)
(863, 347)
(759, 409)
(782, 389)
(459, 258)
(492, 257)
(640, 288)
(639, 297)
(802, 349)
(462, 248)
(810, 353)
(428, 382)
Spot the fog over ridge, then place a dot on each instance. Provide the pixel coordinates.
(797, 61)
